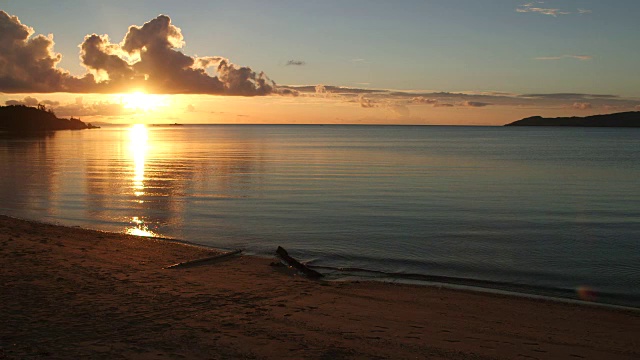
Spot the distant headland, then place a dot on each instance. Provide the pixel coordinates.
(26, 119)
(623, 119)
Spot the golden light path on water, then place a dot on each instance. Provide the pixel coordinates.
(138, 146)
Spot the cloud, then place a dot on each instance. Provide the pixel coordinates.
(320, 90)
(382, 98)
(102, 108)
(578, 57)
(637, 107)
(295, 63)
(531, 7)
(28, 64)
(569, 96)
(399, 110)
(191, 108)
(584, 11)
(582, 105)
(31, 101)
(323, 89)
(287, 92)
(148, 58)
(423, 100)
(474, 104)
(50, 102)
(365, 102)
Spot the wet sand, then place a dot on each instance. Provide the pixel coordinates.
(71, 293)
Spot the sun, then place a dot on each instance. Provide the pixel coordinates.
(141, 101)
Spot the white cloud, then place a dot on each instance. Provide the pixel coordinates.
(578, 57)
(532, 8)
(582, 105)
(365, 102)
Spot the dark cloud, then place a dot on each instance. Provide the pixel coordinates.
(99, 55)
(148, 58)
(28, 64)
(469, 99)
(568, 96)
(162, 68)
(474, 104)
(295, 63)
(287, 92)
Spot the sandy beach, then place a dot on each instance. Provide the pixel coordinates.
(71, 293)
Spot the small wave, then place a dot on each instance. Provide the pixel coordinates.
(576, 294)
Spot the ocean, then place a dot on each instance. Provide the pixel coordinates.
(545, 211)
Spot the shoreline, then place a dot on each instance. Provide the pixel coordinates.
(454, 283)
(616, 301)
(73, 292)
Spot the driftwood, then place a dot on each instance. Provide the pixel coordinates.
(204, 260)
(284, 255)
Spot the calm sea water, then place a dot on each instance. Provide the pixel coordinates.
(538, 210)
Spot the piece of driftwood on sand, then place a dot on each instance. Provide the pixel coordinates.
(284, 255)
(204, 260)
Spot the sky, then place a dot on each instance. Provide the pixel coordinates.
(462, 62)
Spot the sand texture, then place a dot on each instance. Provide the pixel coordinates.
(70, 293)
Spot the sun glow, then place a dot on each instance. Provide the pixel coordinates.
(146, 102)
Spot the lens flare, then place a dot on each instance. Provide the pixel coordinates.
(586, 293)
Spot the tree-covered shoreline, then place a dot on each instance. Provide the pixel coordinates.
(27, 119)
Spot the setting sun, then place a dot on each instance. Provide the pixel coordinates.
(140, 101)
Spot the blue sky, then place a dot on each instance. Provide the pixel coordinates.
(521, 47)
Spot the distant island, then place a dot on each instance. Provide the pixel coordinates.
(623, 119)
(26, 119)
(174, 124)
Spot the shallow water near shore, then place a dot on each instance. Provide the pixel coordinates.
(539, 210)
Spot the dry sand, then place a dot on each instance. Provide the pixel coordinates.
(70, 293)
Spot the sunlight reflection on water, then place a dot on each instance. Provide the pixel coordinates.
(138, 137)
(138, 145)
(139, 228)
